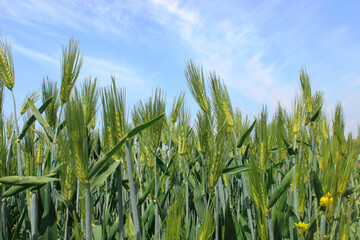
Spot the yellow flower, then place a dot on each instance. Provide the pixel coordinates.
(325, 200)
(302, 227)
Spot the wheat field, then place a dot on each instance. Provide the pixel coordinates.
(82, 166)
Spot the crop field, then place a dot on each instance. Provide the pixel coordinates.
(79, 165)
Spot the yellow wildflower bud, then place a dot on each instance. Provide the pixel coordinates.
(325, 200)
(302, 227)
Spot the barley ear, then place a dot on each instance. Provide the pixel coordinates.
(49, 89)
(7, 73)
(71, 64)
(195, 79)
(306, 90)
(77, 132)
(176, 107)
(33, 97)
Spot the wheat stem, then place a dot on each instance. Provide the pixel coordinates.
(1, 214)
(66, 222)
(133, 199)
(88, 212)
(34, 217)
(120, 203)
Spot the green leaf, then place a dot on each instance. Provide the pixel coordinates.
(61, 126)
(289, 148)
(230, 230)
(148, 217)
(146, 192)
(102, 161)
(246, 153)
(281, 188)
(26, 180)
(103, 174)
(315, 182)
(114, 229)
(351, 190)
(315, 115)
(19, 225)
(306, 143)
(32, 119)
(97, 231)
(281, 217)
(162, 166)
(18, 188)
(15, 189)
(50, 133)
(246, 134)
(238, 228)
(311, 230)
(274, 150)
(48, 228)
(245, 227)
(129, 227)
(237, 169)
(198, 200)
(277, 167)
(78, 234)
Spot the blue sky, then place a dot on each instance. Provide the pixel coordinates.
(256, 47)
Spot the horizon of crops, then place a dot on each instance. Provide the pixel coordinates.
(78, 168)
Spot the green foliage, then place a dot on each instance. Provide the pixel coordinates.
(220, 175)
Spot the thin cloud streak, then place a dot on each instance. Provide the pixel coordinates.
(103, 69)
(173, 8)
(80, 15)
(31, 53)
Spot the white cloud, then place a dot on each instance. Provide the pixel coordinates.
(255, 49)
(260, 84)
(80, 15)
(228, 48)
(174, 8)
(103, 69)
(31, 53)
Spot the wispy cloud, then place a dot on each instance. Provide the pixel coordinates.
(80, 15)
(97, 67)
(229, 48)
(103, 69)
(125, 76)
(257, 48)
(34, 54)
(174, 8)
